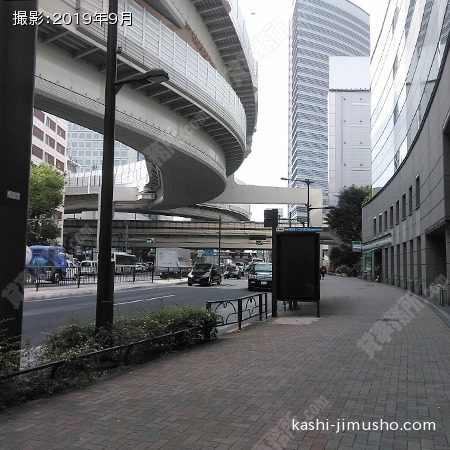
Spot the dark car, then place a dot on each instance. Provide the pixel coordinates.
(204, 274)
(232, 272)
(260, 276)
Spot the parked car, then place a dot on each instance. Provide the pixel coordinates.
(89, 268)
(260, 276)
(232, 272)
(204, 274)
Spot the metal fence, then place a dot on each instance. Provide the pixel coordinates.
(240, 309)
(40, 276)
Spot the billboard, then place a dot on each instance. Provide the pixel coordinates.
(298, 267)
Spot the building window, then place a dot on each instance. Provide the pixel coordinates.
(417, 191)
(59, 165)
(39, 115)
(410, 200)
(374, 225)
(60, 148)
(385, 220)
(404, 206)
(49, 159)
(61, 132)
(50, 123)
(37, 132)
(380, 223)
(36, 151)
(391, 216)
(397, 211)
(49, 141)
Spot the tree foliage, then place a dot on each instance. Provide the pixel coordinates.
(346, 218)
(46, 194)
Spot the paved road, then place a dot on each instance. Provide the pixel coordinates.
(376, 357)
(50, 307)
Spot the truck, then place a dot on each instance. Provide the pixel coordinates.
(47, 263)
(172, 262)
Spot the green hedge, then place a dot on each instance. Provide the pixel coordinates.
(76, 339)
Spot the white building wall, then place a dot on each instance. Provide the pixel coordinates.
(349, 144)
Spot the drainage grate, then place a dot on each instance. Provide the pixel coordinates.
(388, 319)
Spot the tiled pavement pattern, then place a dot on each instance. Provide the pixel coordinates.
(244, 390)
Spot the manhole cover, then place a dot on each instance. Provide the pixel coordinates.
(294, 320)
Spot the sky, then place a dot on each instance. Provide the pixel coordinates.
(269, 36)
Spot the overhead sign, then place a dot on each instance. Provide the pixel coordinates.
(299, 229)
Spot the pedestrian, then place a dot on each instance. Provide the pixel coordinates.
(152, 270)
(323, 271)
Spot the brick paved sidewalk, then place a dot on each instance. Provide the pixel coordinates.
(253, 389)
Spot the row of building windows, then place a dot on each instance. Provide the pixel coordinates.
(46, 157)
(40, 115)
(404, 207)
(37, 132)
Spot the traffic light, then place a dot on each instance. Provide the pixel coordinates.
(259, 242)
(151, 240)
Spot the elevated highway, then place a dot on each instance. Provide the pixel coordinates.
(134, 234)
(194, 130)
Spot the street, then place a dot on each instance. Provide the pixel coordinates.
(46, 315)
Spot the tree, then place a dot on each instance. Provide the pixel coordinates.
(46, 194)
(346, 221)
(346, 218)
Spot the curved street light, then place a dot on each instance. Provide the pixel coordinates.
(105, 284)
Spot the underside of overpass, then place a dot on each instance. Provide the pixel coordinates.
(134, 234)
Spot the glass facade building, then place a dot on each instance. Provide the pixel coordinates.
(405, 65)
(319, 29)
(85, 147)
(405, 225)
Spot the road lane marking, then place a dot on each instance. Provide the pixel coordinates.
(145, 299)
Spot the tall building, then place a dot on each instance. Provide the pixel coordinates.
(49, 145)
(349, 148)
(49, 140)
(406, 230)
(86, 148)
(319, 29)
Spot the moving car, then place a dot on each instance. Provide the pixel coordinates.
(141, 267)
(241, 267)
(204, 274)
(232, 272)
(260, 276)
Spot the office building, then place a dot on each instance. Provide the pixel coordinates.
(320, 29)
(349, 148)
(405, 225)
(86, 148)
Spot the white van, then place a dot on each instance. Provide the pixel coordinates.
(89, 267)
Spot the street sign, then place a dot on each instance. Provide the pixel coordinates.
(299, 229)
(151, 240)
(356, 246)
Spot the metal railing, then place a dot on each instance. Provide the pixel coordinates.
(120, 355)
(47, 276)
(240, 309)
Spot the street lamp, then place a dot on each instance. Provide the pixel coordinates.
(307, 182)
(105, 286)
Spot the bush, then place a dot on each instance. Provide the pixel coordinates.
(76, 339)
